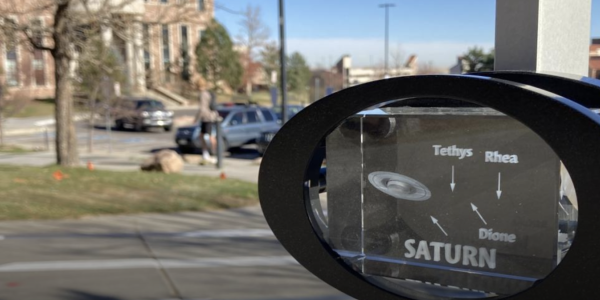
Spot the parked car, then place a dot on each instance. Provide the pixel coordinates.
(241, 125)
(264, 139)
(266, 136)
(142, 113)
(292, 111)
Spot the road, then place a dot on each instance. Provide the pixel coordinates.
(103, 140)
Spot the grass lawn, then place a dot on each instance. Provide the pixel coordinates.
(33, 193)
(37, 108)
(12, 149)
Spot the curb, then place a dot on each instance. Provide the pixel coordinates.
(26, 131)
(40, 126)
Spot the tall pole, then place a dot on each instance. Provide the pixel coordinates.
(317, 88)
(284, 110)
(387, 8)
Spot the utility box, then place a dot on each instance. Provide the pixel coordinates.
(460, 197)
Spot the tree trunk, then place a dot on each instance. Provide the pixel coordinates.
(66, 142)
(1, 128)
(2, 105)
(66, 139)
(248, 75)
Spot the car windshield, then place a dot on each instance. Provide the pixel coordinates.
(149, 104)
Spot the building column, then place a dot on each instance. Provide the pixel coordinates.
(138, 67)
(543, 35)
(107, 35)
(130, 57)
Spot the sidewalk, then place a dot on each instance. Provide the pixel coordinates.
(23, 126)
(242, 169)
(228, 254)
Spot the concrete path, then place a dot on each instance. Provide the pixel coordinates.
(217, 255)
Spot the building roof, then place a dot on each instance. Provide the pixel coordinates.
(595, 47)
(411, 62)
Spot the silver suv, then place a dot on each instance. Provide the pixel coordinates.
(142, 113)
(242, 124)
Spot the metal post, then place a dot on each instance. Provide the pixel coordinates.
(109, 129)
(46, 138)
(387, 7)
(317, 88)
(219, 145)
(282, 60)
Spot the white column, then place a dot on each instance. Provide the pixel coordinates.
(138, 56)
(129, 57)
(107, 35)
(543, 35)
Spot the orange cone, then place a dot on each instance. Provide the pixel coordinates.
(90, 166)
(58, 175)
(223, 176)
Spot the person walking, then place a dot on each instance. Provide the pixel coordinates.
(207, 117)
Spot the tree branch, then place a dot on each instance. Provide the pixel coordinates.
(35, 44)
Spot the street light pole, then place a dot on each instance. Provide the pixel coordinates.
(284, 111)
(387, 7)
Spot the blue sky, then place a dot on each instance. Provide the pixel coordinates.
(436, 30)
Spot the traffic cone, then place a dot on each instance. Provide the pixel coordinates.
(58, 175)
(90, 166)
(223, 176)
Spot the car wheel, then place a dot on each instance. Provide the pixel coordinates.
(168, 128)
(139, 126)
(120, 126)
(184, 150)
(225, 146)
(261, 150)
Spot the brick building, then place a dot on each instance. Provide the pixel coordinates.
(150, 45)
(595, 59)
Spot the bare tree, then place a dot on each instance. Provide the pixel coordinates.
(98, 72)
(269, 59)
(10, 105)
(398, 57)
(430, 69)
(253, 35)
(427, 69)
(72, 23)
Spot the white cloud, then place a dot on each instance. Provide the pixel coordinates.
(367, 52)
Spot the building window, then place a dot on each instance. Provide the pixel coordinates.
(200, 34)
(39, 66)
(166, 49)
(12, 70)
(184, 38)
(201, 5)
(146, 40)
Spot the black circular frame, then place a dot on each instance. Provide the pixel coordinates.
(568, 127)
